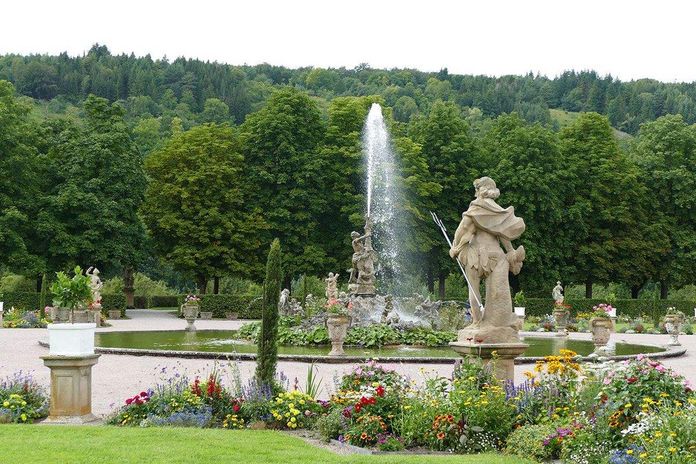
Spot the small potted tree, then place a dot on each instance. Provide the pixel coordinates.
(601, 324)
(75, 338)
(337, 323)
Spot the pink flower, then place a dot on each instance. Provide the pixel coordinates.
(660, 368)
(606, 381)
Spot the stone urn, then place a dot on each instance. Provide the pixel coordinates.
(82, 316)
(206, 315)
(114, 314)
(601, 331)
(232, 316)
(520, 312)
(59, 314)
(190, 312)
(337, 325)
(561, 316)
(673, 323)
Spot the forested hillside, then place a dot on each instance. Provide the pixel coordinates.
(193, 168)
(184, 86)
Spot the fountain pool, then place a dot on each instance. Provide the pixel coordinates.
(213, 343)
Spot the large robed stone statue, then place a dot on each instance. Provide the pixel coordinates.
(483, 245)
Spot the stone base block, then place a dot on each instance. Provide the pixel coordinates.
(87, 419)
(71, 388)
(500, 355)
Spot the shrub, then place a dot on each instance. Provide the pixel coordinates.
(370, 373)
(640, 386)
(114, 301)
(528, 441)
(16, 319)
(295, 409)
(141, 302)
(668, 436)
(331, 425)
(165, 301)
(654, 309)
(28, 301)
(22, 399)
(366, 430)
(220, 304)
(267, 357)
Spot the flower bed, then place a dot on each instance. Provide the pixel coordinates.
(22, 399)
(629, 412)
(18, 319)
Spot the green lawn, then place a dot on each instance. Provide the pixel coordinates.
(28, 444)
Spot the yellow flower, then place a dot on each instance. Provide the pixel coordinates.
(628, 405)
(672, 449)
(643, 455)
(629, 451)
(6, 403)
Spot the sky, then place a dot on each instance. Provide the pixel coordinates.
(627, 39)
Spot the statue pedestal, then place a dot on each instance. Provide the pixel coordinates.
(71, 388)
(500, 355)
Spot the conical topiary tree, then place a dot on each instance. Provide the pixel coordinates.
(268, 350)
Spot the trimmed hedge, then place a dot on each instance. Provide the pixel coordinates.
(140, 302)
(165, 301)
(244, 305)
(655, 309)
(28, 301)
(114, 301)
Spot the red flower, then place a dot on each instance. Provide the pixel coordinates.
(632, 379)
(129, 401)
(143, 394)
(236, 407)
(358, 407)
(380, 391)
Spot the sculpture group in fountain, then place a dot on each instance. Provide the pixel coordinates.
(288, 306)
(477, 246)
(362, 273)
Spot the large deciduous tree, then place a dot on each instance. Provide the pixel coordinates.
(282, 151)
(95, 184)
(18, 182)
(196, 205)
(451, 158)
(666, 155)
(603, 206)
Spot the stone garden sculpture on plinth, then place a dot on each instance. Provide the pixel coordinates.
(493, 332)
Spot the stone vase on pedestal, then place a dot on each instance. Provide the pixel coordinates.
(601, 331)
(673, 323)
(561, 316)
(500, 356)
(70, 360)
(190, 312)
(114, 314)
(337, 326)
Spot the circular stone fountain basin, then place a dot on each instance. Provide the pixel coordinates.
(224, 343)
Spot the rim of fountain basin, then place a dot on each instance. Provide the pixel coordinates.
(669, 352)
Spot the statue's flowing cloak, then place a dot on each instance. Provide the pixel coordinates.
(486, 215)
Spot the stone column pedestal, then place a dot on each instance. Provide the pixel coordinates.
(71, 388)
(501, 355)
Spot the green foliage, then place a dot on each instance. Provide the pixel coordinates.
(72, 292)
(221, 304)
(165, 301)
(93, 186)
(28, 301)
(267, 357)
(527, 441)
(331, 425)
(143, 285)
(196, 204)
(280, 148)
(114, 301)
(16, 283)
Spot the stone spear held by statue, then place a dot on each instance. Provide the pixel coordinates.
(442, 227)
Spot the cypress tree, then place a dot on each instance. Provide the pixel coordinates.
(268, 350)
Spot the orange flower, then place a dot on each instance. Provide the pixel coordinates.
(441, 436)
(363, 435)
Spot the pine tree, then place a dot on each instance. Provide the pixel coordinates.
(267, 358)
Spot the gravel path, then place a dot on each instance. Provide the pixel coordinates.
(117, 377)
